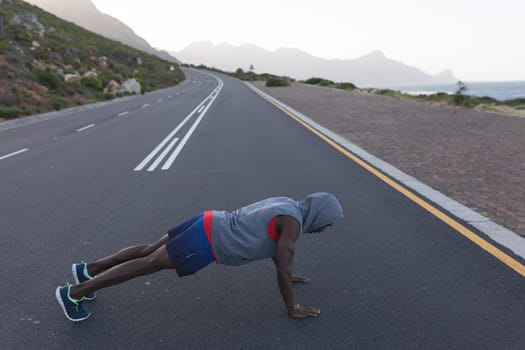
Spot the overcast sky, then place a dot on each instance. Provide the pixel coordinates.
(481, 40)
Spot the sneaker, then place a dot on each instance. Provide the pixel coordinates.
(80, 275)
(72, 308)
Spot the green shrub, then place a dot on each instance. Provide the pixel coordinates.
(107, 75)
(48, 78)
(320, 81)
(18, 32)
(77, 65)
(92, 82)
(121, 69)
(10, 112)
(460, 100)
(345, 86)
(274, 81)
(4, 45)
(98, 95)
(59, 102)
(313, 81)
(72, 88)
(28, 65)
(386, 92)
(40, 53)
(516, 102)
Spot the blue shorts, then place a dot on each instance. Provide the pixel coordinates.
(188, 246)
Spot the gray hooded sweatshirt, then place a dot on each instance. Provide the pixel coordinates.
(241, 236)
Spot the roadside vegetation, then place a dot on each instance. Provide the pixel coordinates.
(48, 64)
(460, 98)
(330, 84)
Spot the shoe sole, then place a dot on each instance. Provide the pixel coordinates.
(61, 303)
(75, 277)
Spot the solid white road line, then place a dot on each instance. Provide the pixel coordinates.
(179, 148)
(14, 153)
(160, 145)
(86, 127)
(167, 139)
(163, 154)
(123, 113)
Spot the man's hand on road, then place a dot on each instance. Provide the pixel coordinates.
(300, 279)
(302, 312)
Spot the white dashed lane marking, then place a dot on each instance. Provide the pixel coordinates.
(86, 127)
(14, 153)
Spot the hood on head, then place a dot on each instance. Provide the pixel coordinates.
(320, 209)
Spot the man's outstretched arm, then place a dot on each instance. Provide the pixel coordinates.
(289, 228)
(295, 278)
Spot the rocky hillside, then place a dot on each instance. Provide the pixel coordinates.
(47, 64)
(85, 14)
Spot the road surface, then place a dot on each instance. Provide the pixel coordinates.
(390, 275)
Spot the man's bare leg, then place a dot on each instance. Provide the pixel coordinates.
(146, 265)
(126, 254)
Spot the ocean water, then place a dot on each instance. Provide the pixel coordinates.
(505, 90)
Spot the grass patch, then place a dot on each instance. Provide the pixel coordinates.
(330, 84)
(11, 112)
(274, 82)
(59, 102)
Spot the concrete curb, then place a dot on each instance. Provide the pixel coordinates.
(68, 111)
(50, 115)
(497, 233)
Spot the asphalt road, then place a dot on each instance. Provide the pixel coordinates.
(388, 276)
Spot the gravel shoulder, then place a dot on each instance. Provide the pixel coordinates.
(476, 158)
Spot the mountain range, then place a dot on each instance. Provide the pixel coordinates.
(372, 70)
(85, 14)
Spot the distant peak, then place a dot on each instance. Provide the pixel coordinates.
(251, 46)
(292, 51)
(445, 76)
(199, 45)
(374, 55)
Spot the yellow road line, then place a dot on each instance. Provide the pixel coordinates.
(488, 247)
